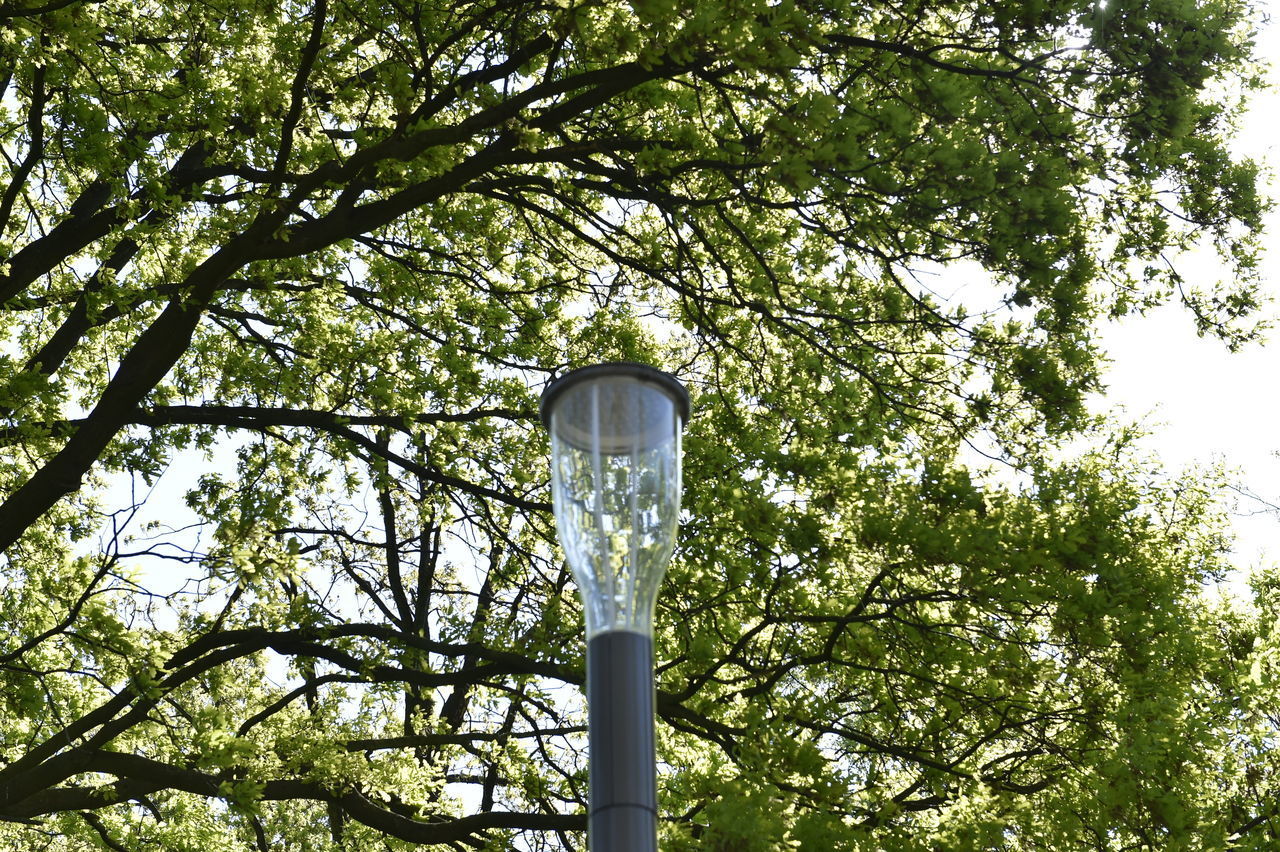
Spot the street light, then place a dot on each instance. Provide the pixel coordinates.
(615, 484)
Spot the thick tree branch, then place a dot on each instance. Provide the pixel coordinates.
(13, 10)
(35, 146)
(140, 776)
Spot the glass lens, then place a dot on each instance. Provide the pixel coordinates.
(616, 490)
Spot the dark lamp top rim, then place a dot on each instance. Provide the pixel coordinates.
(641, 372)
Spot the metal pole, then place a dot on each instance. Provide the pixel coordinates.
(624, 792)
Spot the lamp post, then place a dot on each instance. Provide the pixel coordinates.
(615, 484)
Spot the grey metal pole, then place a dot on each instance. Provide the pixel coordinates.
(623, 815)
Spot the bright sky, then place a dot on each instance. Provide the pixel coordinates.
(1204, 403)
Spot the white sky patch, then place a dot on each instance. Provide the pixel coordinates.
(1203, 404)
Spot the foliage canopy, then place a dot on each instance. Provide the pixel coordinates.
(280, 283)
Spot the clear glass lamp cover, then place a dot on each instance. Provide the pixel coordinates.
(615, 483)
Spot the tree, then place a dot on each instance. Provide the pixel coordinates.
(315, 262)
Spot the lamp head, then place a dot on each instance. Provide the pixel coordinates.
(615, 485)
